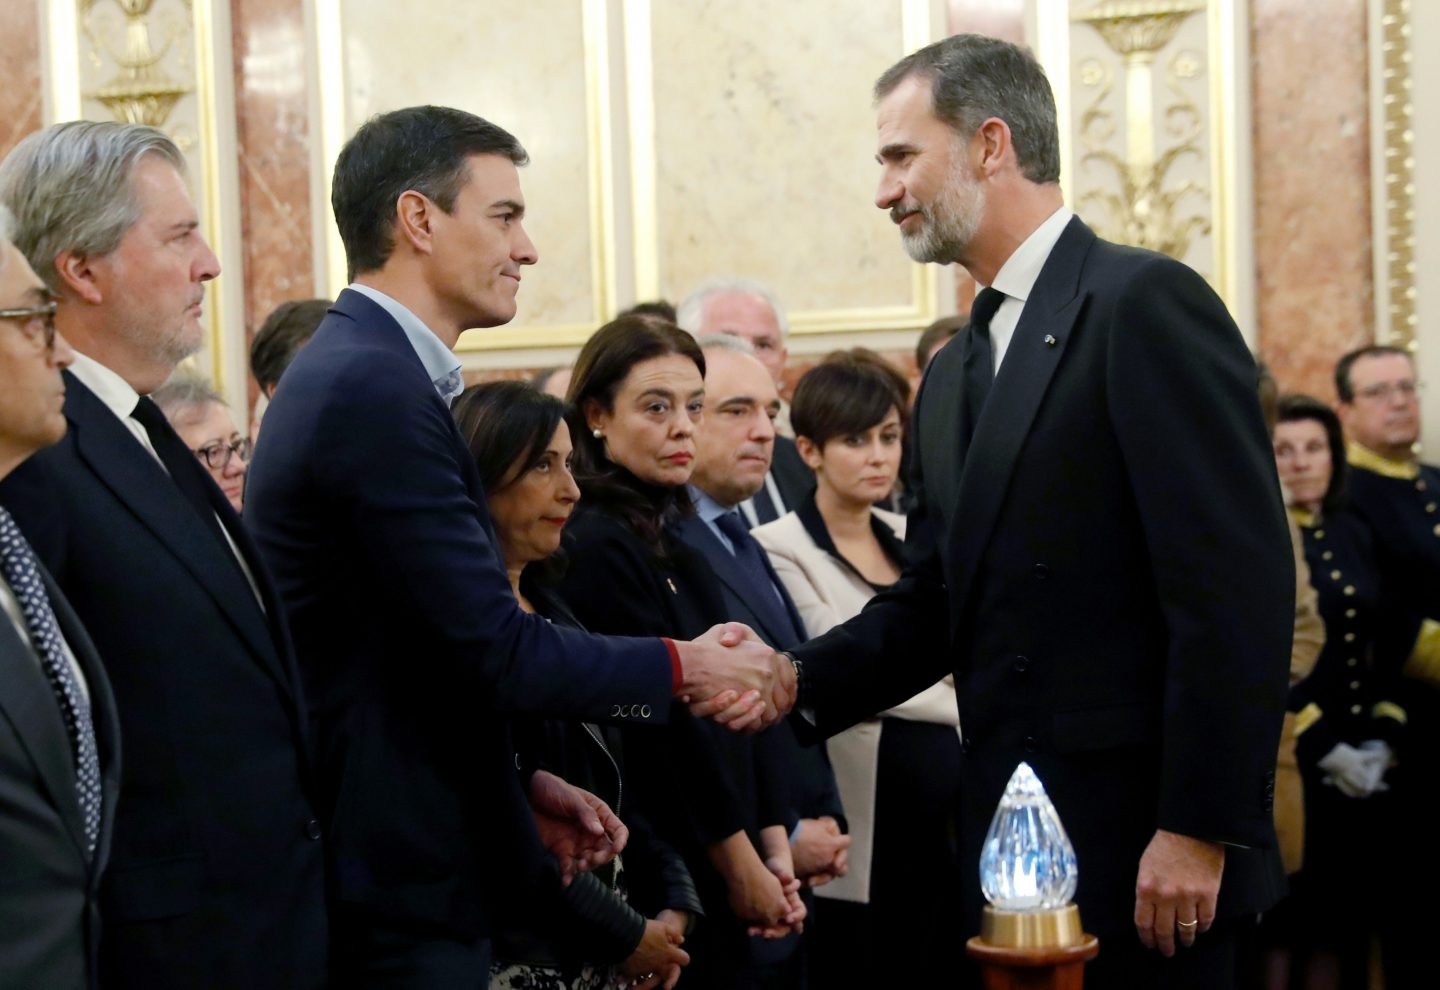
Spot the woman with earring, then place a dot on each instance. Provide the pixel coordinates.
(636, 396)
(898, 773)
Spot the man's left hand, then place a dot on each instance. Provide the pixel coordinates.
(1176, 890)
(578, 828)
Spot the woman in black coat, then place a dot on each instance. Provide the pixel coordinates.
(596, 930)
(636, 394)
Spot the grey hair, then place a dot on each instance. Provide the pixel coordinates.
(184, 395)
(6, 223)
(70, 188)
(973, 78)
(725, 342)
(689, 315)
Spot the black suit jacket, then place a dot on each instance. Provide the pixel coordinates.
(49, 882)
(216, 872)
(1106, 571)
(368, 507)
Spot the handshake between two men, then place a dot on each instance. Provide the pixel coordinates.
(729, 674)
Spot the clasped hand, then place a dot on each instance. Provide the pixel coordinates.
(730, 675)
(1357, 772)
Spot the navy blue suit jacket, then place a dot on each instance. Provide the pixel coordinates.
(216, 874)
(367, 505)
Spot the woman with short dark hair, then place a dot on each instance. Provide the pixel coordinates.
(898, 773)
(522, 447)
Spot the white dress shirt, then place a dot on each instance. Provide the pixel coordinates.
(1016, 278)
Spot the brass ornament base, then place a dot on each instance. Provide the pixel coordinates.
(1053, 929)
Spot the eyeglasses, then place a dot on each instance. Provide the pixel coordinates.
(38, 322)
(1385, 391)
(217, 455)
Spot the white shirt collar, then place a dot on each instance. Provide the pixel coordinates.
(1017, 277)
(439, 361)
(108, 386)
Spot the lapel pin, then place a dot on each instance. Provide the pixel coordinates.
(1050, 340)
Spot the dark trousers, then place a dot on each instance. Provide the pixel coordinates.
(1212, 963)
(373, 953)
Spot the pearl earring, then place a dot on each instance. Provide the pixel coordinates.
(598, 432)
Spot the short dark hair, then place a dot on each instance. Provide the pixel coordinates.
(1344, 388)
(287, 327)
(1296, 408)
(973, 78)
(847, 393)
(601, 368)
(942, 329)
(508, 425)
(662, 308)
(424, 149)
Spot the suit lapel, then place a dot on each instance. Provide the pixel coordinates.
(28, 703)
(142, 486)
(695, 532)
(1047, 323)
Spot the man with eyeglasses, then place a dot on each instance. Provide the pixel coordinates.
(1399, 498)
(59, 736)
(217, 876)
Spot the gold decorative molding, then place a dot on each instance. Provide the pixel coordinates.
(1398, 170)
(141, 92)
(1145, 211)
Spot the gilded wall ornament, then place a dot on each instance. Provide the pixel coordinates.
(141, 92)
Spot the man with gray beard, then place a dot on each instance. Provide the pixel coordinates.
(216, 875)
(1100, 551)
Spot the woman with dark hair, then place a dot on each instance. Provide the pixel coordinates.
(1347, 724)
(522, 447)
(898, 773)
(636, 395)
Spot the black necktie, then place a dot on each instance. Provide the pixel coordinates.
(766, 600)
(22, 573)
(980, 361)
(193, 481)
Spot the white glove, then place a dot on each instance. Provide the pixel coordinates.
(1348, 769)
(1378, 757)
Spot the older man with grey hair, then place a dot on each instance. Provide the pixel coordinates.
(746, 308)
(216, 873)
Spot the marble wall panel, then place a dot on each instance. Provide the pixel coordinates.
(273, 125)
(765, 142)
(525, 71)
(1312, 186)
(22, 94)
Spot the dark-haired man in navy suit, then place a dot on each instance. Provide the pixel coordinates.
(368, 506)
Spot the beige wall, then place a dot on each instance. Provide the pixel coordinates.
(672, 137)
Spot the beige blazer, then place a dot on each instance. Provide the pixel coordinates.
(826, 593)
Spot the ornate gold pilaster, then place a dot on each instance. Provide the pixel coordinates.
(1397, 174)
(1146, 210)
(141, 91)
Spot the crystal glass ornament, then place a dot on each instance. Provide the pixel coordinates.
(1028, 863)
